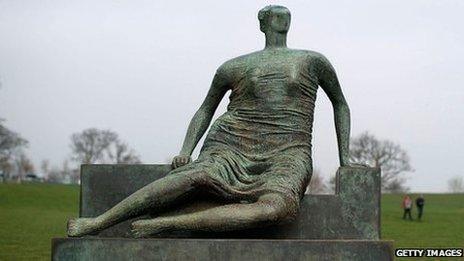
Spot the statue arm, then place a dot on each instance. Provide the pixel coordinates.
(202, 118)
(329, 83)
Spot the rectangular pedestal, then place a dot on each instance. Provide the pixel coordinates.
(352, 213)
(218, 249)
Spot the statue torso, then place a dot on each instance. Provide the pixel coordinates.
(271, 103)
(273, 80)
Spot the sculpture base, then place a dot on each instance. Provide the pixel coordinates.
(352, 213)
(218, 249)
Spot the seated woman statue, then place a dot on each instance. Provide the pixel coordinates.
(256, 157)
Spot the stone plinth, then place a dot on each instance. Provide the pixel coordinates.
(218, 249)
(352, 213)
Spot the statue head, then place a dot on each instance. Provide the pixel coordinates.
(274, 18)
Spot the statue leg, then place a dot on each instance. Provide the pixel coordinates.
(269, 209)
(156, 195)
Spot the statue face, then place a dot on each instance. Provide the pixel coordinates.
(280, 20)
(277, 20)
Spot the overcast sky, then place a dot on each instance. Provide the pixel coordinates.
(142, 68)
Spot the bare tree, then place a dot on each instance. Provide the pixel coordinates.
(24, 166)
(317, 184)
(5, 169)
(74, 176)
(101, 146)
(55, 175)
(390, 157)
(69, 174)
(456, 184)
(119, 152)
(63, 174)
(89, 145)
(45, 167)
(66, 172)
(396, 186)
(11, 144)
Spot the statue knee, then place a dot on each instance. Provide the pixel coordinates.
(277, 208)
(193, 176)
(199, 178)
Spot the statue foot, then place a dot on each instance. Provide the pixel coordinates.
(147, 227)
(78, 227)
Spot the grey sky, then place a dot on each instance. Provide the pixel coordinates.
(141, 68)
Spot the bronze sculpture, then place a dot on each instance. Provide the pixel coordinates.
(256, 156)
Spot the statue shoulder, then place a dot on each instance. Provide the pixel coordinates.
(237, 61)
(313, 56)
(317, 60)
(234, 64)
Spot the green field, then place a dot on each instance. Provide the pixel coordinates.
(442, 223)
(31, 214)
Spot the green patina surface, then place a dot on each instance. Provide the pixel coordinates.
(353, 213)
(256, 158)
(213, 249)
(360, 194)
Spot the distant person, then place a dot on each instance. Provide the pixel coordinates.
(407, 205)
(420, 206)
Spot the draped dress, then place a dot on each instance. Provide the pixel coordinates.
(262, 143)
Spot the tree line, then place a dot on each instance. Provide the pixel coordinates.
(387, 155)
(366, 149)
(90, 146)
(96, 146)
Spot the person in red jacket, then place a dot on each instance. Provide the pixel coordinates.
(407, 205)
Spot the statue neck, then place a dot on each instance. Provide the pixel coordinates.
(275, 40)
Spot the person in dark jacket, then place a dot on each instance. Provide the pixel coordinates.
(420, 206)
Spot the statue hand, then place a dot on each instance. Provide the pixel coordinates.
(181, 160)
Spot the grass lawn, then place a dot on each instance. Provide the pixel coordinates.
(442, 223)
(31, 214)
